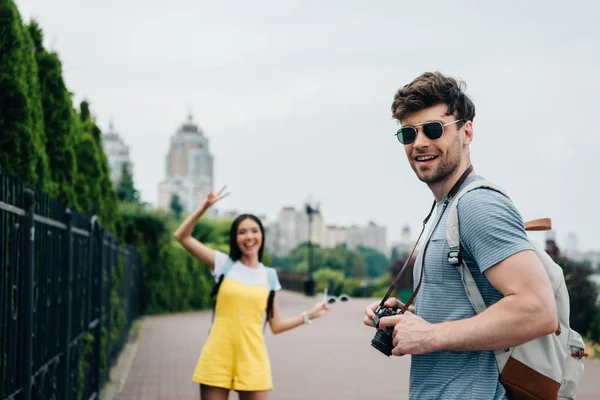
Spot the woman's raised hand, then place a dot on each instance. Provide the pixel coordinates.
(212, 198)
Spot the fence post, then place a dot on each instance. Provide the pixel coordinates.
(107, 302)
(27, 304)
(126, 285)
(95, 254)
(67, 307)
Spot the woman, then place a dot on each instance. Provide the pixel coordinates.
(234, 356)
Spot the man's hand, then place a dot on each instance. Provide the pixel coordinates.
(391, 303)
(412, 334)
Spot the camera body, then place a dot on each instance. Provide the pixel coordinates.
(382, 340)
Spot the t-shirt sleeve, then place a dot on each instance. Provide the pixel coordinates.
(220, 261)
(491, 227)
(277, 284)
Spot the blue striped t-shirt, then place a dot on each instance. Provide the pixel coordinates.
(491, 229)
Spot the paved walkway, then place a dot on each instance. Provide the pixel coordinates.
(329, 359)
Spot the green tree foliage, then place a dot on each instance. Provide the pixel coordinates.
(339, 258)
(23, 142)
(176, 206)
(583, 293)
(126, 190)
(329, 279)
(213, 231)
(404, 287)
(58, 119)
(173, 279)
(94, 189)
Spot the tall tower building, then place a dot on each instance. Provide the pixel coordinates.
(117, 153)
(189, 168)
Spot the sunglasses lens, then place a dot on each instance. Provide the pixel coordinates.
(433, 130)
(406, 135)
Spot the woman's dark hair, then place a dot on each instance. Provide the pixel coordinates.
(235, 253)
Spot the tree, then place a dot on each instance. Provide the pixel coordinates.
(176, 206)
(404, 287)
(377, 263)
(22, 143)
(583, 293)
(95, 192)
(126, 190)
(58, 119)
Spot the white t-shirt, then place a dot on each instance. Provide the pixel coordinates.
(247, 275)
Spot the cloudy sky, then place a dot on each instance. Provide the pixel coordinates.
(295, 96)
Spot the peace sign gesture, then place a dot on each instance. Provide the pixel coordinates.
(212, 198)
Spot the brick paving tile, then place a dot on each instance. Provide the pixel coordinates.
(330, 359)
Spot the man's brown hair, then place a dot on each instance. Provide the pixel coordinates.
(430, 89)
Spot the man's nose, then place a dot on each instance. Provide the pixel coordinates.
(421, 140)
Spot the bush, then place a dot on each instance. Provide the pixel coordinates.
(352, 287)
(173, 279)
(330, 279)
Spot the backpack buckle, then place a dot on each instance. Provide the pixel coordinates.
(454, 257)
(579, 354)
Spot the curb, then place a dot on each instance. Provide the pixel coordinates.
(120, 371)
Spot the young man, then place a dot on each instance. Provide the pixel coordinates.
(451, 346)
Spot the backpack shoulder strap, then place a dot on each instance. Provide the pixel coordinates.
(226, 268)
(454, 258)
(452, 229)
(272, 279)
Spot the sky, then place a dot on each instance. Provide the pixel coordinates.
(295, 97)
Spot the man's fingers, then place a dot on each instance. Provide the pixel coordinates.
(393, 302)
(369, 322)
(389, 321)
(370, 309)
(396, 352)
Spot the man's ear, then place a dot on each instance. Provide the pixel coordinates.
(468, 132)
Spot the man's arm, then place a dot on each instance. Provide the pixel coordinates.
(527, 311)
(492, 233)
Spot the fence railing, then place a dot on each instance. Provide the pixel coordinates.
(69, 293)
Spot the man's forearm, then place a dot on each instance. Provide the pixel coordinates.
(511, 321)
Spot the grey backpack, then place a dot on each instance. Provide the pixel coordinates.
(549, 367)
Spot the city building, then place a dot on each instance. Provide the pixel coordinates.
(404, 246)
(189, 168)
(291, 229)
(117, 154)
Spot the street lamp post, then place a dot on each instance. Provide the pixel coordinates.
(309, 280)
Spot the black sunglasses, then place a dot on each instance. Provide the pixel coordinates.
(433, 130)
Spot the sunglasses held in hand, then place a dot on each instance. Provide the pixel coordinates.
(334, 299)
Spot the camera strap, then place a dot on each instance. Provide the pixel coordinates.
(451, 194)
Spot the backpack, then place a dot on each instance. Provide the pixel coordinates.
(549, 367)
(272, 278)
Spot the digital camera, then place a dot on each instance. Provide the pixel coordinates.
(383, 337)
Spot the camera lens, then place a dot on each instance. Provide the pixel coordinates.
(383, 342)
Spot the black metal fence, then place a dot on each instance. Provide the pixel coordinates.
(69, 293)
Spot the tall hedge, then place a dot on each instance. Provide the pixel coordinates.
(173, 280)
(94, 191)
(58, 119)
(23, 142)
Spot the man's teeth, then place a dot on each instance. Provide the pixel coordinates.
(425, 158)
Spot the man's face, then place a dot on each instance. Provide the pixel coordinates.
(435, 160)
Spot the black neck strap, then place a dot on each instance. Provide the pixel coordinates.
(451, 194)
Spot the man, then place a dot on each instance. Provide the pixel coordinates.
(450, 345)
